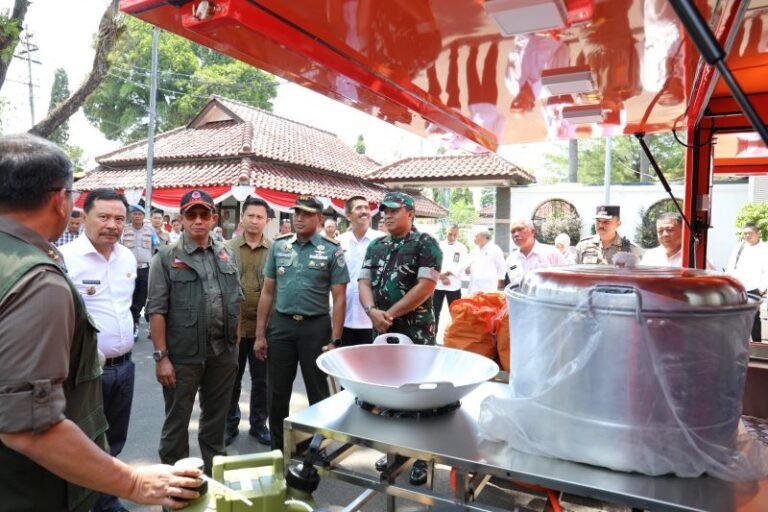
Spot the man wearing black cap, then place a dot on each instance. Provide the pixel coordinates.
(194, 305)
(606, 243)
(301, 269)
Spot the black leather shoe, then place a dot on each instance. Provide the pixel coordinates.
(381, 464)
(261, 434)
(418, 474)
(229, 438)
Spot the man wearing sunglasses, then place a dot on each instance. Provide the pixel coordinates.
(194, 305)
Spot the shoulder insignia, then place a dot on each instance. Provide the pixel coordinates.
(330, 240)
(285, 235)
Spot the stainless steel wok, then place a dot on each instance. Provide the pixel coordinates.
(407, 376)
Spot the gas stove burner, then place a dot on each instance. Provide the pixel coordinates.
(398, 413)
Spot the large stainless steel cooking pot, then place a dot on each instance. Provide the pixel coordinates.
(407, 376)
(631, 368)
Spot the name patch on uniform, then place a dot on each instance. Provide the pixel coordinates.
(321, 257)
(177, 263)
(91, 281)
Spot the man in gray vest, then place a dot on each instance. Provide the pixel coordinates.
(52, 443)
(194, 307)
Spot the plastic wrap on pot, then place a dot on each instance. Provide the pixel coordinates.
(634, 372)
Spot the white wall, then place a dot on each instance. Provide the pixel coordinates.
(727, 198)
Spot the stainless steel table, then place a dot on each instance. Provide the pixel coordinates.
(454, 440)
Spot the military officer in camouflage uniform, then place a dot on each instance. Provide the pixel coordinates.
(602, 247)
(399, 274)
(301, 269)
(398, 278)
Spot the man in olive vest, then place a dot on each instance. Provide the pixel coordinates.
(52, 422)
(194, 308)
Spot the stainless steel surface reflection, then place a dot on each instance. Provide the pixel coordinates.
(407, 377)
(454, 440)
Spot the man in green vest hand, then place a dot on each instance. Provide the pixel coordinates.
(52, 423)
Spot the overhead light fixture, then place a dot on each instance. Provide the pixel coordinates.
(570, 80)
(583, 114)
(515, 17)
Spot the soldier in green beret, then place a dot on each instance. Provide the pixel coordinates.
(398, 277)
(301, 269)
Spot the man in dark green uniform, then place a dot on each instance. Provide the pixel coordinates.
(194, 308)
(398, 278)
(51, 416)
(301, 269)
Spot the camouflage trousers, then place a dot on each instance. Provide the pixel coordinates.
(423, 334)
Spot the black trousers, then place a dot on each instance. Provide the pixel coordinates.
(257, 414)
(350, 337)
(139, 294)
(757, 331)
(438, 297)
(117, 391)
(292, 343)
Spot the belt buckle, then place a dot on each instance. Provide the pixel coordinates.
(298, 318)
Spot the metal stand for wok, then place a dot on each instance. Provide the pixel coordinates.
(454, 440)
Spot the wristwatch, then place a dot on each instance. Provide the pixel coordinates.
(159, 355)
(369, 308)
(336, 342)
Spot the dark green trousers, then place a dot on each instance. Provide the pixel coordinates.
(214, 379)
(292, 343)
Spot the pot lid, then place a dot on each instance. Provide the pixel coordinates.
(658, 288)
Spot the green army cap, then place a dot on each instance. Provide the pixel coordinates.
(308, 204)
(398, 200)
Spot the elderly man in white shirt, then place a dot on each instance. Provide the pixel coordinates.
(449, 282)
(485, 265)
(104, 272)
(669, 253)
(529, 254)
(749, 264)
(357, 325)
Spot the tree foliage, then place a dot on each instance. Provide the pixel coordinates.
(462, 213)
(625, 159)
(10, 30)
(553, 225)
(756, 213)
(360, 145)
(462, 195)
(487, 196)
(188, 74)
(59, 93)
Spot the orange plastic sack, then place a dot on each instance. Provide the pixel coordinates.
(473, 327)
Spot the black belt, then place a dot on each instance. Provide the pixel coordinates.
(301, 318)
(142, 266)
(117, 361)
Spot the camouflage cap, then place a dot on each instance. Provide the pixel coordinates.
(607, 212)
(398, 200)
(308, 204)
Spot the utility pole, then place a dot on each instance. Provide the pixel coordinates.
(152, 119)
(26, 54)
(607, 171)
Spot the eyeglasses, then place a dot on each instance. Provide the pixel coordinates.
(202, 214)
(74, 193)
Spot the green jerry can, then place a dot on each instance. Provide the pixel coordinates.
(257, 477)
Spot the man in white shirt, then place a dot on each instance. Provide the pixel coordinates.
(485, 267)
(449, 282)
(749, 264)
(529, 253)
(357, 325)
(104, 272)
(175, 232)
(669, 253)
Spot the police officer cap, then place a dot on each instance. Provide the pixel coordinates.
(195, 197)
(607, 212)
(136, 208)
(398, 200)
(308, 204)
